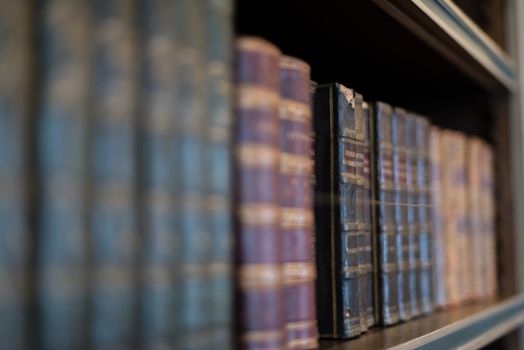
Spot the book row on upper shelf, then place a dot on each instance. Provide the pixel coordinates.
(163, 186)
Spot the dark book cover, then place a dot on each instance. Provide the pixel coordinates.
(63, 118)
(424, 204)
(296, 191)
(113, 224)
(411, 204)
(336, 209)
(384, 225)
(261, 312)
(400, 207)
(219, 61)
(15, 232)
(367, 217)
(159, 241)
(191, 214)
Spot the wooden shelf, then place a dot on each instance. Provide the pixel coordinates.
(442, 24)
(467, 327)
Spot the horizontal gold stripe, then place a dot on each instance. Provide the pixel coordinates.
(256, 97)
(259, 214)
(250, 43)
(299, 273)
(308, 343)
(295, 164)
(289, 62)
(257, 156)
(299, 325)
(256, 336)
(296, 218)
(295, 111)
(260, 276)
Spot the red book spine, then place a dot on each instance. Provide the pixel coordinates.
(260, 293)
(296, 193)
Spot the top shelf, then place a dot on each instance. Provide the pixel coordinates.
(444, 26)
(466, 327)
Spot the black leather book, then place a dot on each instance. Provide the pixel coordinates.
(336, 210)
(384, 226)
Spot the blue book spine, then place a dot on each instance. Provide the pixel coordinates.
(62, 152)
(113, 213)
(219, 33)
(14, 230)
(158, 292)
(190, 144)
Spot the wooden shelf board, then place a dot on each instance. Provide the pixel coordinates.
(467, 327)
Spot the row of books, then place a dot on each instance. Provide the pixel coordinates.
(162, 187)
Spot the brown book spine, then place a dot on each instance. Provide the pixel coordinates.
(260, 294)
(296, 193)
(488, 221)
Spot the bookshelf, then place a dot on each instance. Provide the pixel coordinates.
(430, 57)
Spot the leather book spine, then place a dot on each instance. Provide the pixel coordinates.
(63, 120)
(113, 223)
(438, 241)
(192, 219)
(400, 207)
(413, 226)
(260, 293)
(384, 226)
(488, 215)
(367, 208)
(474, 169)
(454, 210)
(423, 206)
(219, 60)
(349, 210)
(15, 234)
(296, 193)
(362, 238)
(159, 253)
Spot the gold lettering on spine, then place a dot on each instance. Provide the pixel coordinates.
(256, 97)
(257, 156)
(295, 111)
(296, 273)
(260, 276)
(291, 164)
(256, 214)
(296, 218)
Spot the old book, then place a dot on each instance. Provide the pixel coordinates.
(336, 208)
(192, 221)
(219, 60)
(15, 232)
(63, 119)
(415, 304)
(488, 220)
(296, 194)
(114, 229)
(456, 250)
(384, 226)
(367, 249)
(159, 254)
(260, 293)
(398, 128)
(424, 257)
(438, 239)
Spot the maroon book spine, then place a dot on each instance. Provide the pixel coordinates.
(260, 298)
(296, 193)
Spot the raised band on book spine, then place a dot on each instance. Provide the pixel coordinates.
(62, 256)
(261, 314)
(15, 234)
(296, 191)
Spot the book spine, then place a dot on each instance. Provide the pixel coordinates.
(160, 252)
(400, 207)
(113, 213)
(488, 215)
(62, 153)
(424, 208)
(15, 235)
(364, 244)
(219, 60)
(474, 169)
(349, 211)
(192, 218)
(367, 208)
(385, 226)
(413, 226)
(296, 203)
(260, 293)
(438, 239)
